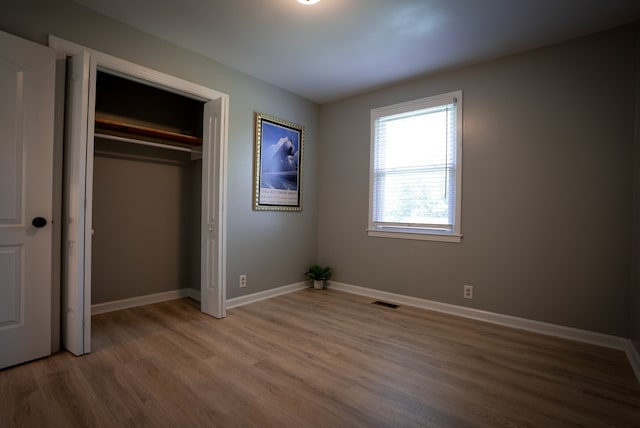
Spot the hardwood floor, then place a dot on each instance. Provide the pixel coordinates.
(318, 359)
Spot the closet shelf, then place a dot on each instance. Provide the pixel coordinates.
(196, 153)
(107, 128)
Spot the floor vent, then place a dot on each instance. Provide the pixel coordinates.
(385, 304)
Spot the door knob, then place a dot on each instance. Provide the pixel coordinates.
(39, 222)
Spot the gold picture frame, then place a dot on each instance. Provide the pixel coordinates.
(279, 154)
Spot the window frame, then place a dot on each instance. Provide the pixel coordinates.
(419, 232)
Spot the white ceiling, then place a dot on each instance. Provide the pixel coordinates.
(337, 48)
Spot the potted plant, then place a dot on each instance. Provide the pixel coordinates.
(319, 275)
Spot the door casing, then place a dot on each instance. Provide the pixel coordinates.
(78, 179)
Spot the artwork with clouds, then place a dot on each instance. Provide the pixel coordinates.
(278, 161)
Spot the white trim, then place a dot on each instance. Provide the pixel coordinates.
(194, 294)
(579, 335)
(111, 64)
(132, 302)
(585, 336)
(422, 232)
(65, 47)
(421, 236)
(130, 70)
(263, 295)
(76, 302)
(634, 359)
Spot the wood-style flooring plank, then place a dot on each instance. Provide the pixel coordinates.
(318, 358)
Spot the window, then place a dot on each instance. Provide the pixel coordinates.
(416, 169)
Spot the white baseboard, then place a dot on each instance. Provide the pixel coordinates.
(263, 295)
(585, 336)
(116, 305)
(194, 294)
(634, 359)
(101, 308)
(599, 339)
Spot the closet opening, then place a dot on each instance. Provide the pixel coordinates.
(146, 190)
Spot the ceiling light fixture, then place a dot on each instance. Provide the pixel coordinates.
(308, 1)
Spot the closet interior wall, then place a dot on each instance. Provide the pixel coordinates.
(146, 199)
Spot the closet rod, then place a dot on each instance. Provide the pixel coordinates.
(145, 143)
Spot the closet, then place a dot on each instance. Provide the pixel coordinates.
(147, 172)
(144, 190)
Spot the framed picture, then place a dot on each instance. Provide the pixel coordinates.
(278, 164)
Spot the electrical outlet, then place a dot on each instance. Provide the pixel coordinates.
(243, 281)
(468, 292)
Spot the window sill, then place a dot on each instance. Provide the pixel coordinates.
(421, 236)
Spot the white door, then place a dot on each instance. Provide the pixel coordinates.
(212, 291)
(27, 79)
(76, 301)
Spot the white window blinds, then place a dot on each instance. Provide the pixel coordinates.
(415, 165)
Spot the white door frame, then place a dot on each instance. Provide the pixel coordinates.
(77, 282)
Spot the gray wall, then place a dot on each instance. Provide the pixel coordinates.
(547, 175)
(273, 249)
(546, 207)
(142, 202)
